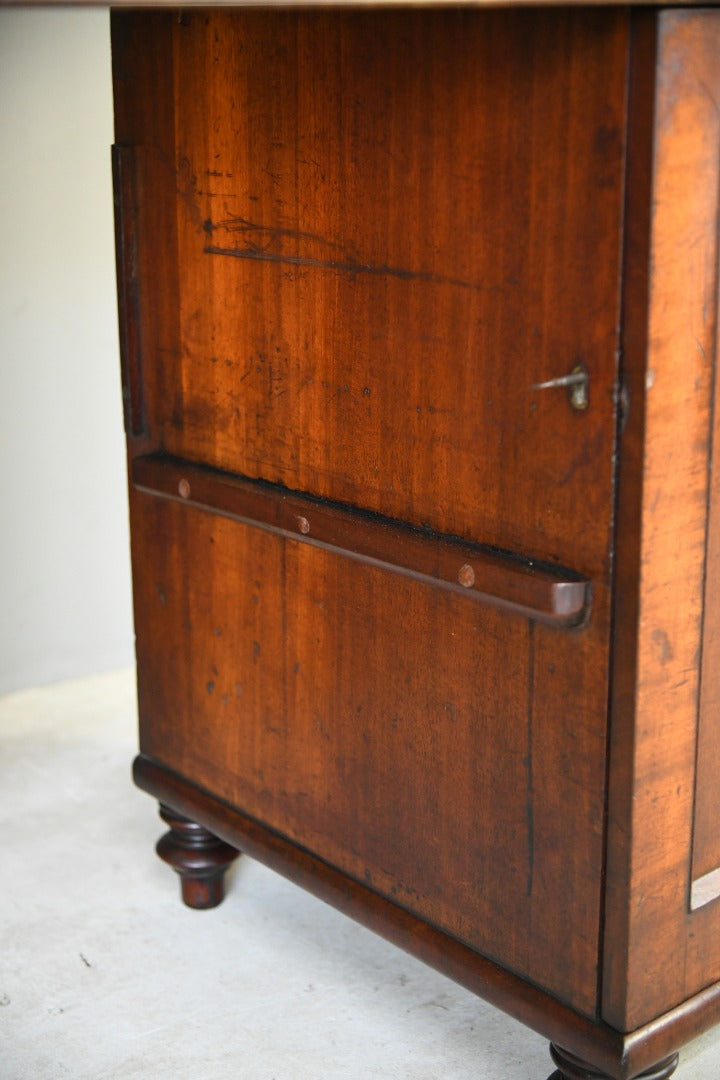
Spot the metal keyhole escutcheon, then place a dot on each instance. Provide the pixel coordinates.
(577, 383)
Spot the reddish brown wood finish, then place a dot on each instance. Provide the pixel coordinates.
(522, 586)
(358, 322)
(621, 1056)
(339, 4)
(571, 1067)
(362, 323)
(309, 717)
(127, 259)
(359, 243)
(657, 951)
(198, 857)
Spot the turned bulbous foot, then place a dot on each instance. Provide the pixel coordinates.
(570, 1067)
(200, 859)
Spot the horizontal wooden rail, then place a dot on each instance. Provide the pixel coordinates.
(339, 4)
(537, 590)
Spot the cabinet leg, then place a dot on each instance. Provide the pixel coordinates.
(198, 857)
(570, 1067)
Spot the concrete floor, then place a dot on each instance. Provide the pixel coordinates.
(105, 976)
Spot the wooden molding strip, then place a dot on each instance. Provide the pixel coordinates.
(538, 591)
(126, 260)
(338, 4)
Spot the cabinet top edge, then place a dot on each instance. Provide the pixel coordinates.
(358, 4)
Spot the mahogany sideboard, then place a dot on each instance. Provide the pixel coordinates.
(418, 317)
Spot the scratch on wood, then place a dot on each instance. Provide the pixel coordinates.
(349, 267)
(261, 237)
(265, 243)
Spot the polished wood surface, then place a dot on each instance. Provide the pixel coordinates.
(657, 950)
(418, 318)
(376, 278)
(362, 902)
(542, 591)
(335, 4)
(199, 858)
(620, 1056)
(571, 1067)
(359, 322)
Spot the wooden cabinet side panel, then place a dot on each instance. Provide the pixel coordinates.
(656, 951)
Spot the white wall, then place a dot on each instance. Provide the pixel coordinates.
(64, 565)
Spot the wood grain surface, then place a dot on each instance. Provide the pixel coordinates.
(540, 591)
(336, 4)
(379, 263)
(364, 240)
(656, 950)
(613, 1054)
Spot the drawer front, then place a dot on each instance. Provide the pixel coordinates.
(372, 236)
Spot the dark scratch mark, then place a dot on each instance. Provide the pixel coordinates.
(266, 242)
(348, 266)
(260, 237)
(85, 961)
(269, 235)
(186, 187)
